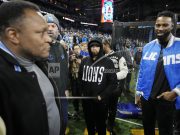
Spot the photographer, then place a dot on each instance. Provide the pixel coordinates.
(75, 60)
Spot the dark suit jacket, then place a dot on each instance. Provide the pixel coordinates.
(22, 105)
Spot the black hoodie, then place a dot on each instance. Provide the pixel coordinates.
(97, 77)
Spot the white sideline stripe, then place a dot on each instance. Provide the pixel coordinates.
(129, 122)
(74, 97)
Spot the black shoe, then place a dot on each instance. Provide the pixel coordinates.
(76, 116)
(112, 133)
(70, 115)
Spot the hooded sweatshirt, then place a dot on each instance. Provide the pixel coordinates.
(97, 77)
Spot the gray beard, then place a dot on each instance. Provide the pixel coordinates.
(53, 37)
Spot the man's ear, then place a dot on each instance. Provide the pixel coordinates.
(12, 35)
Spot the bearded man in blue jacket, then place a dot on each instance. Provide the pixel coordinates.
(158, 83)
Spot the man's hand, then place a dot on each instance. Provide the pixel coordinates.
(99, 98)
(67, 93)
(78, 61)
(169, 95)
(2, 127)
(138, 101)
(134, 65)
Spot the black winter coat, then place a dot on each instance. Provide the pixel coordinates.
(22, 105)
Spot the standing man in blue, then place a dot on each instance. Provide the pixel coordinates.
(160, 74)
(58, 56)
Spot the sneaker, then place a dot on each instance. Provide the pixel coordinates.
(112, 133)
(76, 116)
(70, 115)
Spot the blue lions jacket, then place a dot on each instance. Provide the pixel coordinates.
(171, 61)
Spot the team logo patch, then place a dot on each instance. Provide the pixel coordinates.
(51, 57)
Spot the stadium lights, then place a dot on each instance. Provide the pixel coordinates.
(89, 23)
(68, 19)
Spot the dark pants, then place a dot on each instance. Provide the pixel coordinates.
(112, 104)
(127, 84)
(177, 123)
(64, 104)
(95, 113)
(112, 108)
(159, 110)
(75, 92)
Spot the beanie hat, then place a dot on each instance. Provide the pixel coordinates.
(95, 40)
(98, 42)
(50, 18)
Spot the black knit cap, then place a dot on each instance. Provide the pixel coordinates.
(96, 41)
